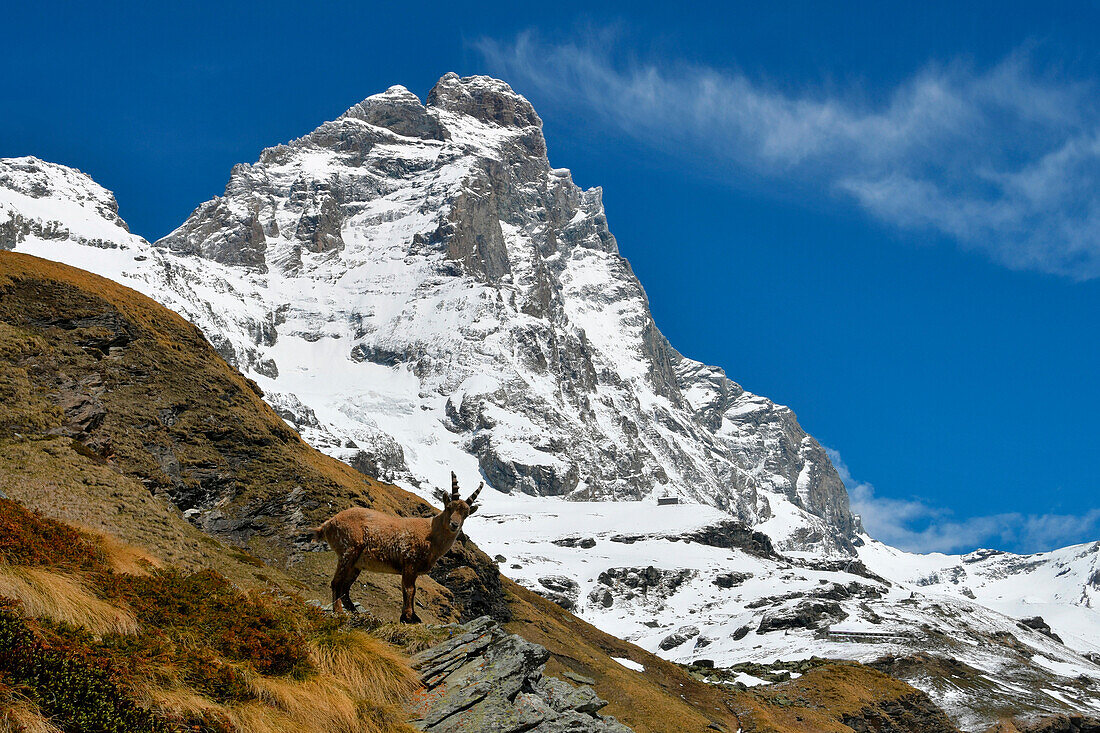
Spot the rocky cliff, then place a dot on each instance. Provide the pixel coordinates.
(484, 678)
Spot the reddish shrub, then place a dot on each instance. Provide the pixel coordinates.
(73, 683)
(206, 606)
(30, 538)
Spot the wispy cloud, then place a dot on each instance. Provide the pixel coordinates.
(1003, 159)
(916, 526)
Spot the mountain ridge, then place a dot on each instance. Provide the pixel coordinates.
(423, 293)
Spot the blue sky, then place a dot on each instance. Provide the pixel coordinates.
(885, 216)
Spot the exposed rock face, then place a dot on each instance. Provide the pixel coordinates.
(808, 614)
(650, 586)
(731, 579)
(1051, 724)
(734, 535)
(582, 542)
(400, 111)
(560, 589)
(486, 100)
(425, 260)
(915, 712)
(484, 679)
(474, 580)
(1038, 624)
(222, 232)
(680, 636)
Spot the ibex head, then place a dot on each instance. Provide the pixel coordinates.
(455, 510)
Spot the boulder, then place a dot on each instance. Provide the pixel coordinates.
(806, 615)
(1038, 624)
(485, 679)
(678, 637)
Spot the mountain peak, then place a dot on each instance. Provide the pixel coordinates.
(483, 98)
(398, 110)
(436, 237)
(52, 201)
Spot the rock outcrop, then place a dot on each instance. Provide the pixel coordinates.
(910, 713)
(485, 679)
(1050, 724)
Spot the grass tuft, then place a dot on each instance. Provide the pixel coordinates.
(120, 556)
(19, 714)
(410, 638)
(361, 685)
(64, 598)
(370, 669)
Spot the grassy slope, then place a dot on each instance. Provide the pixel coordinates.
(100, 639)
(126, 413)
(169, 420)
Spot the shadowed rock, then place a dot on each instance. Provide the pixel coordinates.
(484, 679)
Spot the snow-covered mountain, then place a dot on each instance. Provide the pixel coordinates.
(417, 291)
(686, 583)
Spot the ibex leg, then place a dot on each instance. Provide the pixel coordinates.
(340, 585)
(346, 595)
(408, 597)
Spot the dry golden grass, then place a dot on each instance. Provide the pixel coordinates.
(20, 715)
(366, 667)
(362, 685)
(286, 705)
(411, 638)
(122, 557)
(181, 700)
(61, 597)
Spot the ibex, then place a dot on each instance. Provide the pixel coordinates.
(365, 539)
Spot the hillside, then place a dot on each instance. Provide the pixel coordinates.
(415, 290)
(122, 412)
(128, 399)
(98, 635)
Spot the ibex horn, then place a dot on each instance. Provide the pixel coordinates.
(473, 496)
(454, 486)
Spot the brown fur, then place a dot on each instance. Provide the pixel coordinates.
(365, 539)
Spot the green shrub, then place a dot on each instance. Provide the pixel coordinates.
(69, 682)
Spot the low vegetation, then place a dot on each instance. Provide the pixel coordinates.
(85, 647)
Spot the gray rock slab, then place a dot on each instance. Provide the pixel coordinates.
(484, 679)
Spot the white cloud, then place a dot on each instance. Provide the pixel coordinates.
(917, 526)
(1004, 160)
